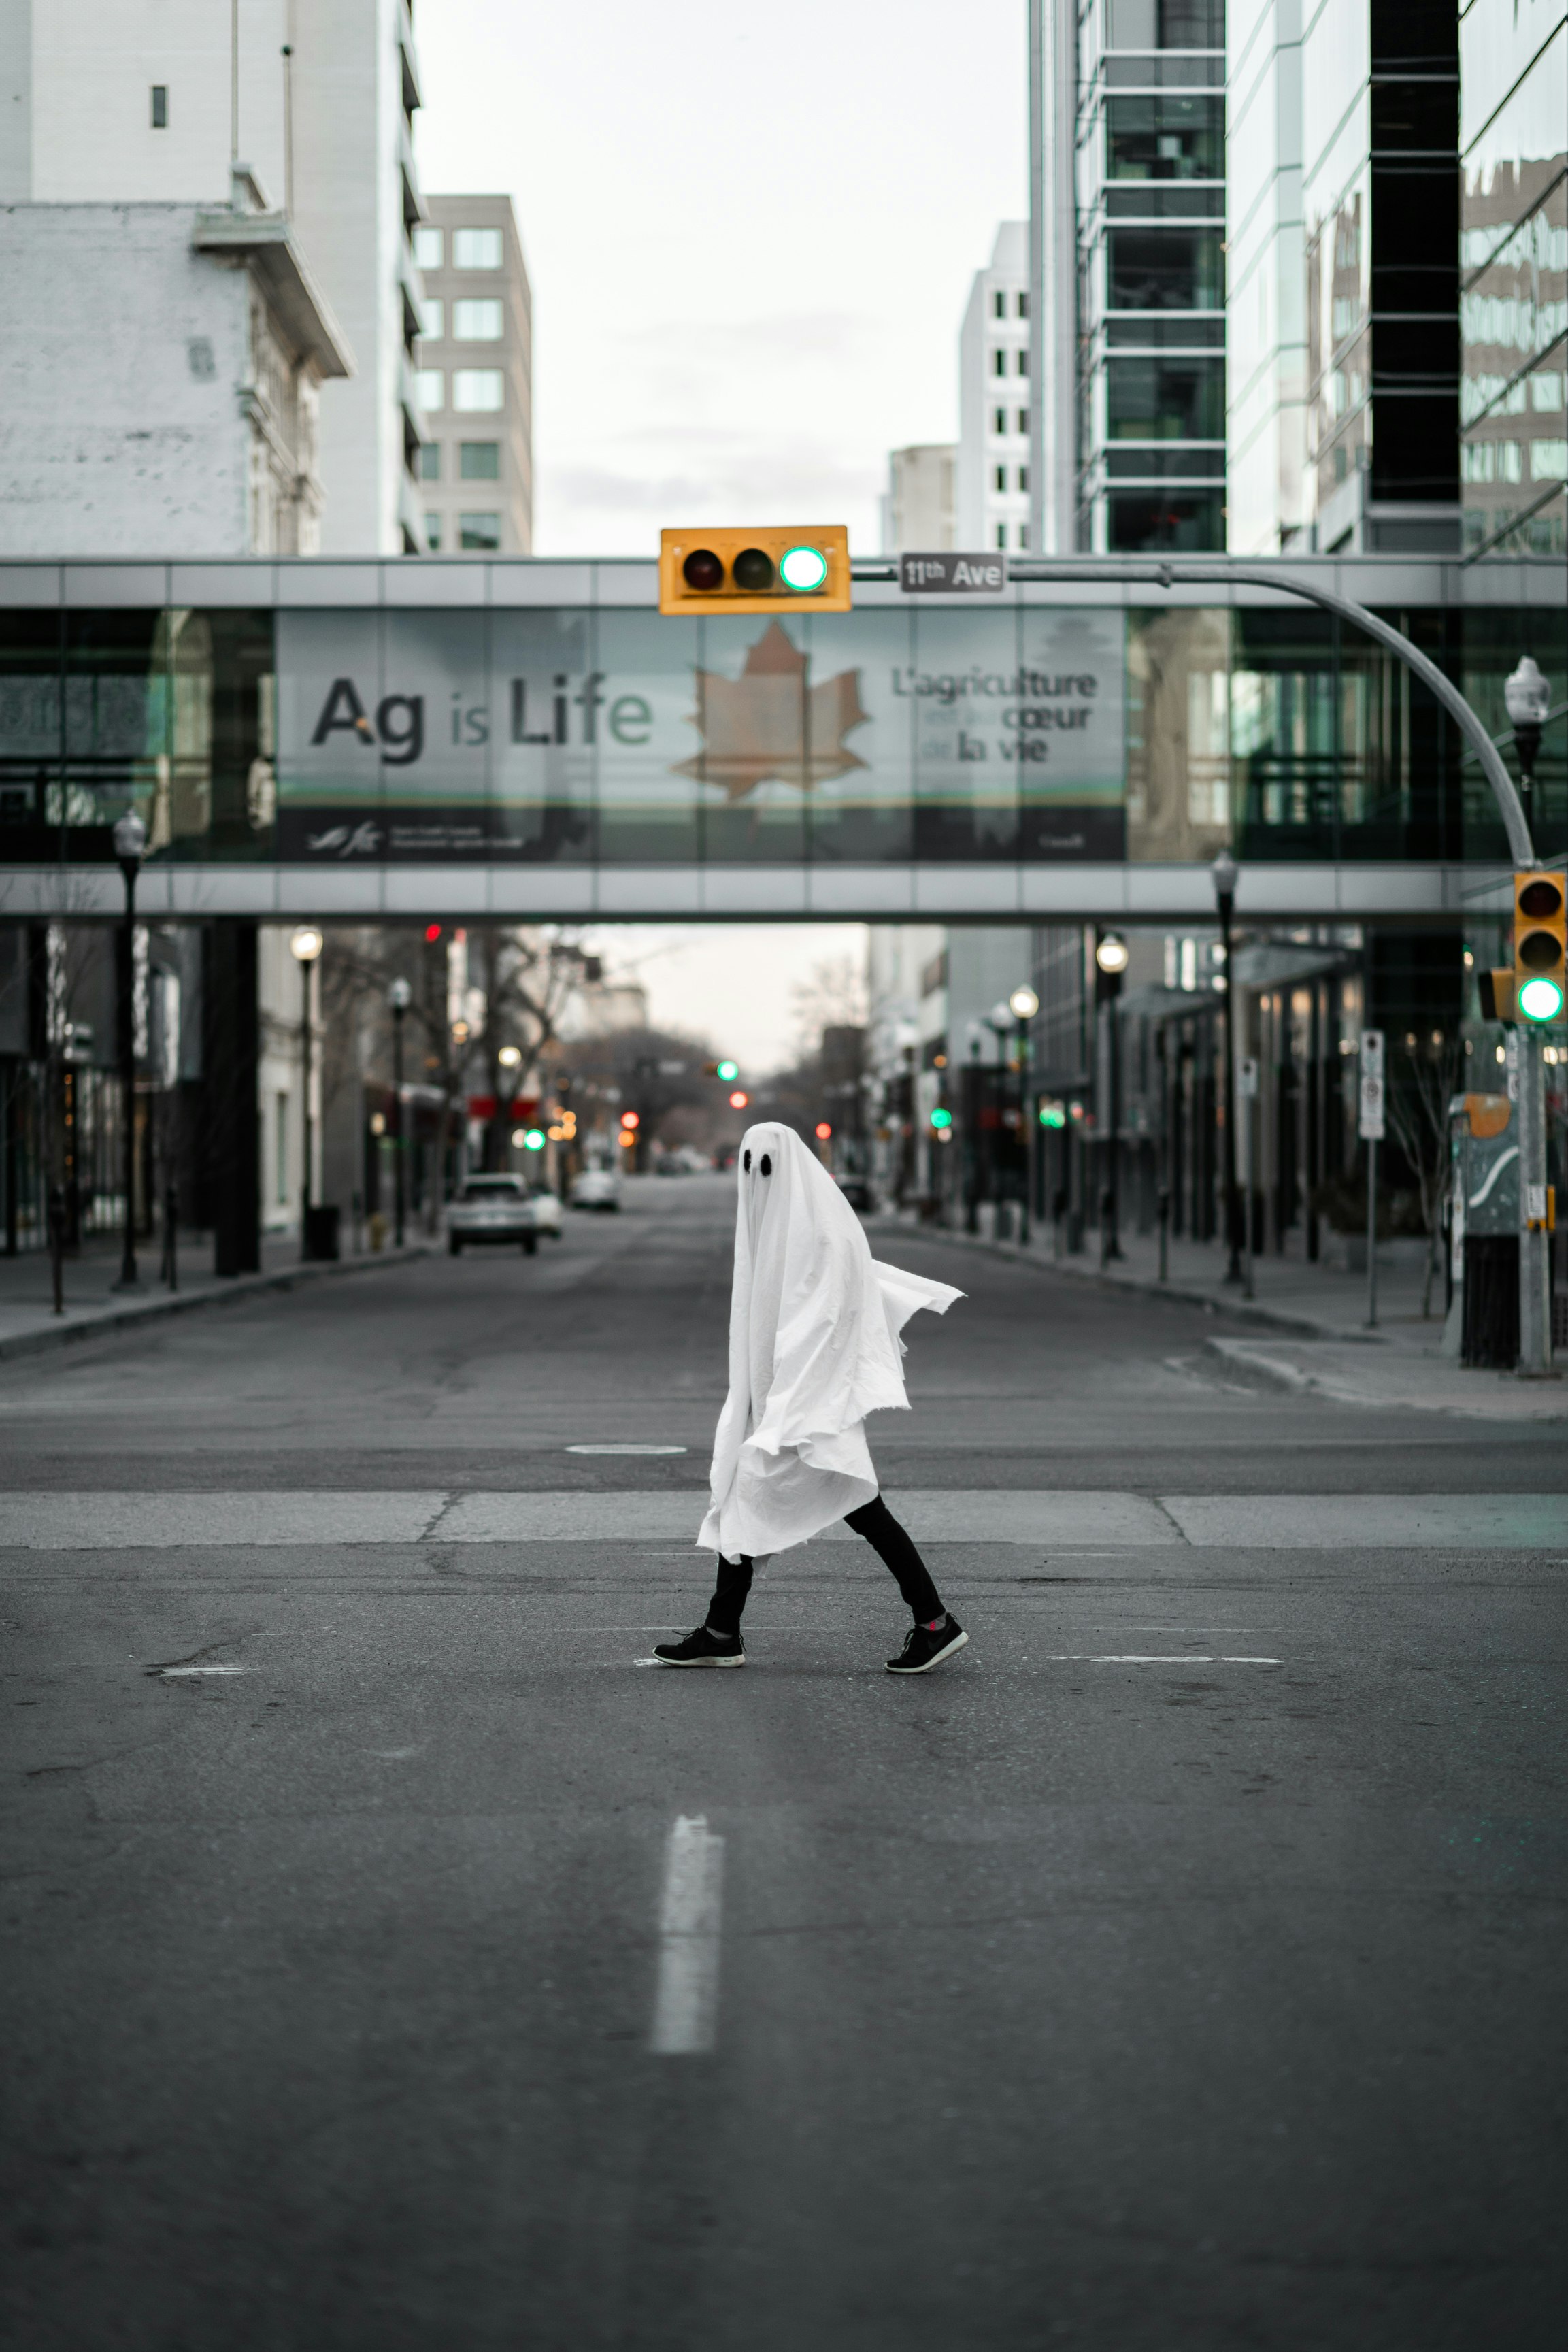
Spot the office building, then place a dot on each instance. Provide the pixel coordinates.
(474, 381)
(1513, 276)
(993, 497)
(919, 505)
(211, 299)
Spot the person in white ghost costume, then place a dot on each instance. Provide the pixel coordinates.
(814, 1346)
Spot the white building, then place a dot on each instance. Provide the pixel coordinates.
(993, 476)
(204, 229)
(919, 506)
(474, 380)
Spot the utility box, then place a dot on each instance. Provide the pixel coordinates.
(1485, 1227)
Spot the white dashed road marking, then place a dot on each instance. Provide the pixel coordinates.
(686, 2008)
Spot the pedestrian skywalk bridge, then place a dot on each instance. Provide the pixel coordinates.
(1055, 1520)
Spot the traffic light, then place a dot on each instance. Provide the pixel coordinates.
(941, 1118)
(1053, 1113)
(755, 570)
(1539, 942)
(1111, 960)
(728, 1071)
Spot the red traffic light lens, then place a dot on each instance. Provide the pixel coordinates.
(629, 1119)
(1541, 900)
(754, 571)
(702, 569)
(432, 933)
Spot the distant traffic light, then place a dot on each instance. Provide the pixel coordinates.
(432, 933)
(823, 1131)
(631, 1119)
(1053, 1113)
(755, 570)
(1539, 944)
(739, 1099)
(941, 1120)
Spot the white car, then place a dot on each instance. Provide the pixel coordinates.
(546, 1206)
(493, 1208)
(597, 1187)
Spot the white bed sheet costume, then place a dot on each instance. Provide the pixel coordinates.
(814, 1346)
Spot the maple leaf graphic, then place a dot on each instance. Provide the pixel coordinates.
(770, 725)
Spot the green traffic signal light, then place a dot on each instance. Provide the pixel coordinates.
(1541, 1000)
(941, 1118)
(727, 1070)
(1052, 1114)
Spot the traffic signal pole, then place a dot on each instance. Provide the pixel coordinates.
(1534, 1277)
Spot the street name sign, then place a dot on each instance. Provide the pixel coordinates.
(949, 574)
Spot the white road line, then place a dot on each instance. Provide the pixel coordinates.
(1148, 1658)
(686, 2008)
(626, 1449)
(168, 1674)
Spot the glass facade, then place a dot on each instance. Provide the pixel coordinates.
(919, 732)
(1513, 266)
(1151, 227)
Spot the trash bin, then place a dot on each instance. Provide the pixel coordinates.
(322, 1229)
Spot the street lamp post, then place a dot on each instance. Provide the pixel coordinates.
(1527, 698)
(305, 945)
(1223, 873)
(399, 996)
(1024, 1004)
(130, 848)
(1111, 962)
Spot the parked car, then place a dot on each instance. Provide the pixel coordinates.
(597, 1187)
(546, 1206)
(493, 1208)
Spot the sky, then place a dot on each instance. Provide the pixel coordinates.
(728, 983)
(750, 232)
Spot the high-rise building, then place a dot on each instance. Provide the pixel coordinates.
(474, 380)
(919, 505)
(208, 223)
(1266, 306)
(1513, 276)
(993, 495)
(1150, 201)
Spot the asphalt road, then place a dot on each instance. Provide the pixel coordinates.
(394, 1964)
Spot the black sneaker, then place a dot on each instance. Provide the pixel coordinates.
(703, 1648)
(923, 1649)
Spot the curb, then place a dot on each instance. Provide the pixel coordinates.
(240, 1286)
(1239, 1310)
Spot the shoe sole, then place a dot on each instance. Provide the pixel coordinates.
(958, 1643)
(697, 1662)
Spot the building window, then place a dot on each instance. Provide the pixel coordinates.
(1174, 399)
(1023, 534)
(1548, 460)
(1171, 137)
(480, 531)
(479, 461)
(1023, 420)
(429, 245)
(1167, 268)
(1023, 363)
(998, 363)
(432, 318)
(430, 389)
(280, 1150)
(999, 420)
(1023, 479)
(475, 248)
(432, 533)
(476, 388)
(1001, 478)
(1023, 306)
(430, 462)
(477, 322)
(160, 106)
(999, 304)
(1001, 534)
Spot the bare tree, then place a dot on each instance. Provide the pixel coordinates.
(1425, 1077)
(835, 997)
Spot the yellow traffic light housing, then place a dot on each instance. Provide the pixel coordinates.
(1539, 944)
(755, 570)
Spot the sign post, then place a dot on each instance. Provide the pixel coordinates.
(1371, 1129)
(1246, 1094)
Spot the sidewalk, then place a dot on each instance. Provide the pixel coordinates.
(1322, 1309)
(28, 1323)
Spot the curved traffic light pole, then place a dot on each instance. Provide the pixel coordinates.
(1534, 1246)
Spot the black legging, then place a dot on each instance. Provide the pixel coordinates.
(881, 1531)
